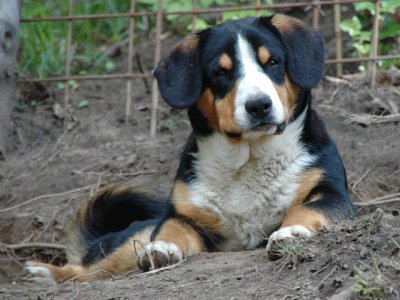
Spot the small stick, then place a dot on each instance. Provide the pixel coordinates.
(143, 71)
(369, 203)
(33, 245)
(160, 269)
(328, 275)
(354, 185)
(46, 196)
(366, 119)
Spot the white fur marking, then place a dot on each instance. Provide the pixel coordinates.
(287, 233)
(253, 84)
(169, 250)
(249, 185)
(39, 271)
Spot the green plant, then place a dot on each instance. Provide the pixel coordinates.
(369, 282)
(359, 28)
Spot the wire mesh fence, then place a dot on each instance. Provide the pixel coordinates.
(311, 7)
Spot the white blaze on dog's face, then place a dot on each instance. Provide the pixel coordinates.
(242, 78)
(255, 86)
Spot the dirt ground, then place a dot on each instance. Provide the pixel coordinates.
(50, 169)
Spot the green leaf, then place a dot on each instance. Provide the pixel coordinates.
(365, 35)
(352, 26)
(233, 15)
(83, 103)
(72, 83)
(19, 106)
(389, 6)
(364, 49)
(34, 103)
(199, 24)
(389, 28)
(110, 65)
(60, 85)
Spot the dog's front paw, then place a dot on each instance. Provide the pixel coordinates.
(158, 254)
(38, 273)
(282, 234)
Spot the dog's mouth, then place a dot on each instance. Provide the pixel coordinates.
(259, 129)
(269, 128)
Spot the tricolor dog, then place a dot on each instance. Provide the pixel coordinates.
(258, 168)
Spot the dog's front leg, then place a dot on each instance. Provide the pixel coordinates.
(300, 221)
(174, 242)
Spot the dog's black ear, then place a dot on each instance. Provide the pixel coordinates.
(179, 74)
(304, 48)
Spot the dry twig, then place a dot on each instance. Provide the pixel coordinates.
(365, 119)
(45, 197)
(380, 200)
(32, 245)
(354, 185)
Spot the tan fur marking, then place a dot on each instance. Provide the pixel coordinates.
(188, 44)
(307, 217)
(292, 93)
(263, 55)
(288, 94)
(286, 24)
(307, 182)
(220, 113)
(283, 96)
(204, 219)
(182, 235)
(122, 260)
(207, 106)
(225, 109)
(225, 62)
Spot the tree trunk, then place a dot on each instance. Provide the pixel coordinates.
(9, 24)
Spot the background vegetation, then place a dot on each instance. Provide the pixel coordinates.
(43, 45)
(359, 28)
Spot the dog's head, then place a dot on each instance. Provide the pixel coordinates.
(242, 78)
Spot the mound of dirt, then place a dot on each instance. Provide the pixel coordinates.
(51, 168)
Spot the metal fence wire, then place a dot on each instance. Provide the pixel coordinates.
(315, 6)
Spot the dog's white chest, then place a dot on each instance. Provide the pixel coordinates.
(250, 186)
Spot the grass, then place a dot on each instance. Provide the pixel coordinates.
(290, 253)
(43, 44)
(369, 281)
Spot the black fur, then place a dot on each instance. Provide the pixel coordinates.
(113, 218)
(304, 53)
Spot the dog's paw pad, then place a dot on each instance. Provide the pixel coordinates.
(282, 234)
(158, 254)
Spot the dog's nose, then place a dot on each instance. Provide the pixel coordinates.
(259, 108)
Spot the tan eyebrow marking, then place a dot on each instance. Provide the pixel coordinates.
(263, 54)
(225, 62)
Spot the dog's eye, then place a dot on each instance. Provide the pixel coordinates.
(221, 72)
(272, 62)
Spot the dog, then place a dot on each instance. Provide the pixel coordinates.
(259, 162)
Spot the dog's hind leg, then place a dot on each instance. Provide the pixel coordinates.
(121, 260)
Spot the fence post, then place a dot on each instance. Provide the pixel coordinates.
(338, 38)
(374, 45)
(315, 13)
(9, 23)
(128, 104)
(157, 54)
(68, 59)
